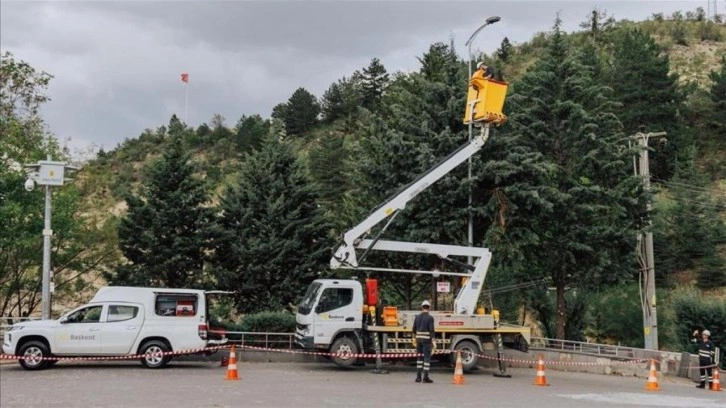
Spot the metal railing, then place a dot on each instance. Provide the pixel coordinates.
(261, 339)
(604, 350)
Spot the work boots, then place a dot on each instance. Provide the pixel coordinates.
(427, 380)
(701, 385)
(418, 376)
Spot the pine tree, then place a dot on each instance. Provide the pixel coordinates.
(588, 205)
(375, 80)
(712, 273)
(439, 64)
(505, 50)
(649, 95)
(718, 96)
(250, 132)
(167, 229)
(301, 113)
(273, 237)
(341, 99)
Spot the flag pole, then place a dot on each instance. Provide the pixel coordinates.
(186, 102)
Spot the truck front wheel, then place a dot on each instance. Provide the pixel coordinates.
(344, 348)
(468, 350)
(34, 355)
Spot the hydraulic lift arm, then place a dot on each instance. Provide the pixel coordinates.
(345, 255)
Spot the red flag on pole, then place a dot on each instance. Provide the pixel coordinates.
(185, 77)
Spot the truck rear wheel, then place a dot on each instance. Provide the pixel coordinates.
(468, 349)
(34, 355)
(345, 347)
(153, 357)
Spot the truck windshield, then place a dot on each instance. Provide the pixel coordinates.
(306, 304)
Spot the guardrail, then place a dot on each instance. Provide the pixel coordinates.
(260, 339)
(604, 350)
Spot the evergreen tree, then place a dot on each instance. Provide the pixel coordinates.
(589, 205)
(329, 163)
(273, 235)
(342, 99)
(649, 95)
(168, 227)
(439, 64)
(301, 113)
(712, 273)
(717, 94)
(375, 80)
(505, 50)
(250, 132)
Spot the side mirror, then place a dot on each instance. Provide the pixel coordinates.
(64, 320)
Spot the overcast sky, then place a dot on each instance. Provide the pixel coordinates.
(117, 64)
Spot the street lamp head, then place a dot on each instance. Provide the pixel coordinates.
(493, 19)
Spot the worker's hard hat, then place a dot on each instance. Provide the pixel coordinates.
(425, 304)
(706, 333)
(479, 65)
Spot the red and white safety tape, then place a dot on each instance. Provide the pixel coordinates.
(514, 360)
(107, 358)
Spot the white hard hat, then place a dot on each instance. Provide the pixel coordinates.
(425, 304)
(706, 333)
(479, 65)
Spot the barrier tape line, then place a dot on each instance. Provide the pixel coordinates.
(318, 353)
(110, 358)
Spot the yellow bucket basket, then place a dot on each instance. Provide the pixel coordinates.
(485, 101)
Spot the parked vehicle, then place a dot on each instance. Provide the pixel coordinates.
(118, 321)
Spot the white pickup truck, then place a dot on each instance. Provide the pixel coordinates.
(118, 321)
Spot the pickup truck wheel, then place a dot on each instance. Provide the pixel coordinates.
(468, 354)
(345, 346)
(34, 353)
(153, 357)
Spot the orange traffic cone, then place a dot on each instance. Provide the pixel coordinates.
(540, 379)
(652, 384)
(458, 370)
(232, 365)
(716, 384)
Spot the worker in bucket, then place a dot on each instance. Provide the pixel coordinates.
(483, 71)
(706, 352)
(423, 337)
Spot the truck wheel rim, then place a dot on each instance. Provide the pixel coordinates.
(344, 352)
(33, 356)
(154, 355)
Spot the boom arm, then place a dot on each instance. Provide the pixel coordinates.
(345, 255)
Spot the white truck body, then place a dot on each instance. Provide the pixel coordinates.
(333, 315)
(118, 321)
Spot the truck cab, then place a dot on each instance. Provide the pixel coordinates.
(330, 307)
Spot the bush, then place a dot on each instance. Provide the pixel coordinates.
(271, 322)
(616, 316)
(695, 310)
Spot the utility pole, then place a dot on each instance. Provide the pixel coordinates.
(645, 250)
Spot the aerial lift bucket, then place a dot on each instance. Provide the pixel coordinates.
(485, 101)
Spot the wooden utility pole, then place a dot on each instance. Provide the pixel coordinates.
(645, 251)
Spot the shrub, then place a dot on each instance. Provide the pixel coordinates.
(272, 322)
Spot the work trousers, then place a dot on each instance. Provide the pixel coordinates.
(423, 363)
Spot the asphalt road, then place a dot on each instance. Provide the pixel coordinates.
(202, 384)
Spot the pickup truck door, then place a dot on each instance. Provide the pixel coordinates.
(79, 333)
(122, 326)
(335, 311)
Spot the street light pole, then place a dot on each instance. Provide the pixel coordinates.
(648, 298)
(47, 174)
(470, 235)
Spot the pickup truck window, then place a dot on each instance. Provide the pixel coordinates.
(176, 305)
(119, 313)
(90, 314)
